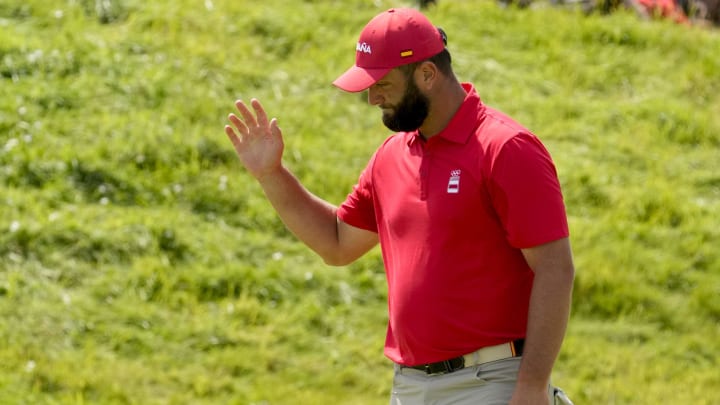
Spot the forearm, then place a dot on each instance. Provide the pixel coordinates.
(309, 218)
(259, 145)
(547, 321)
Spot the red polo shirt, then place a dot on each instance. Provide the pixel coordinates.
(452, 214)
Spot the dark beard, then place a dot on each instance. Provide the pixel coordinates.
(410, 113)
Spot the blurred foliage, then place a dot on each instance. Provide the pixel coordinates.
(140, 264)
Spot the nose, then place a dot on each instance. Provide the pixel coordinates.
(374, 96)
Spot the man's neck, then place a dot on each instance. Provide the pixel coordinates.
(443, 106)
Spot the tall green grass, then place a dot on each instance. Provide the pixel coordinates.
(139, 264)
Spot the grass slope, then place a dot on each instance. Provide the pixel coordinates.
(140, 265)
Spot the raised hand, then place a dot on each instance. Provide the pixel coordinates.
(258, 142)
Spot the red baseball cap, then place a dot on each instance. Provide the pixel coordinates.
(393, 38)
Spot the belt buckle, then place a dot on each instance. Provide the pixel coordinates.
(446, 366)
(450, 368)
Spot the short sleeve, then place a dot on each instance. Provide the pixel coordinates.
(358, 209)
(526, 193)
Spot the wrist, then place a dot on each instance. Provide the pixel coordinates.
(269, 175)
(532, 381)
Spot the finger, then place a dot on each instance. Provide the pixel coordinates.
(275, 128)
(232, 136)
(237, 122)
(247, 115)
(262, 119)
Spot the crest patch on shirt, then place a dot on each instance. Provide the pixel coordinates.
(453, 186)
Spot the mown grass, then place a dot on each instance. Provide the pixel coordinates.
(140, 265)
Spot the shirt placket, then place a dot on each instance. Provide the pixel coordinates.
(425, 173)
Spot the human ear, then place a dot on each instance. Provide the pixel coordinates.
(426, 74)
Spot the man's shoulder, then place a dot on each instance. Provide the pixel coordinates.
(397, 140)
(498, 129)
(497, 124)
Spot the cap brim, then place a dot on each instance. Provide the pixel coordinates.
(357, 79)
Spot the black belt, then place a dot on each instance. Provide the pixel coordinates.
(457, 363)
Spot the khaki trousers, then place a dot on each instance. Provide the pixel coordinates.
(485, 384)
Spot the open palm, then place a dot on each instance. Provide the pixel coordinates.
(258, 142)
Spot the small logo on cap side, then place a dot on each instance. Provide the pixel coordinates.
(407, 53)
(363, 47)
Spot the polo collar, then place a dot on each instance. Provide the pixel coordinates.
(462, 125)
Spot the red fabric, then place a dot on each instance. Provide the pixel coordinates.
(393, 38)
(664, 9)
(452, 214)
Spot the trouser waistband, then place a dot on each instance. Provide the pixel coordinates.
(483, 355)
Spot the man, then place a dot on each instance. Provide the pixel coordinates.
(467, 208)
